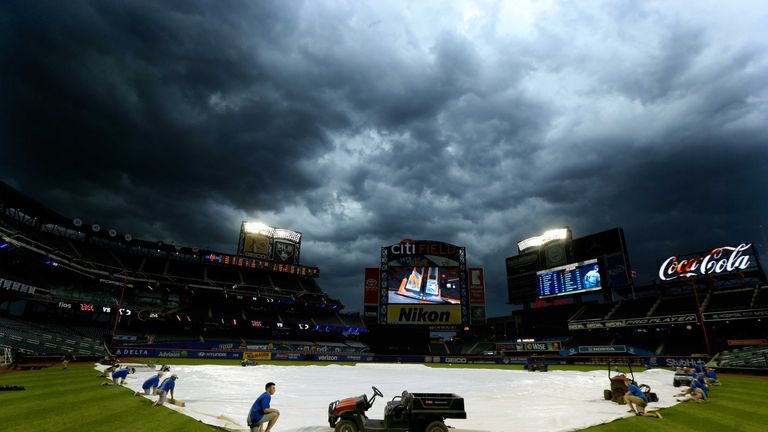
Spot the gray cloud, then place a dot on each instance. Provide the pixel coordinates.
(364, 123)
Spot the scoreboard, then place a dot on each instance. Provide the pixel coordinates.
(232, 260)
(568, 279)
(421, 282)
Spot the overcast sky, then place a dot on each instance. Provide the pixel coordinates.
(360, 123)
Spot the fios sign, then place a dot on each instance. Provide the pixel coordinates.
(724, 259)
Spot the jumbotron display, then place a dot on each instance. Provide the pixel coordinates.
(573, 278)
(424, 285)
(423, 282)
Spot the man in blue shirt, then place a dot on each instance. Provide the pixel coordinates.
(702, 383)
(261, 412)
(150, 385)
(165, 388)
(121, 375)
(696, 390)
(637, 400)
(710, 376)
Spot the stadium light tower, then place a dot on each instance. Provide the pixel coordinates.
(256, 227)
(546, 237)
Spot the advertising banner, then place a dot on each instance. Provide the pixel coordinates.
(597, 349)
(371, 287)
(285, 252)
(199, 346)
(673, 319)
(747, 341)
(476, 286)
(345, 358)
(257, 245)
(718, 261)
(257, 355)
(427, 314)
(736, 315)
(287, 356)
(530, 346)
(633, 322)
(173, 353)
(676, 361)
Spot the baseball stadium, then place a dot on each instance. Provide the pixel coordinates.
(103, 331)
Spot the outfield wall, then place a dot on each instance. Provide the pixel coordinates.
(153, 352)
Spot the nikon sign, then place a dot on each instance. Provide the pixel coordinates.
(418, 314)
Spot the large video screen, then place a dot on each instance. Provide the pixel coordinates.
(424, 285)
(569, 279)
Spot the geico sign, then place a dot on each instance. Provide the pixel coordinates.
(402, 314)
(444, 249)
(724, 259)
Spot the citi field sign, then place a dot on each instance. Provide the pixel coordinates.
(722, 260)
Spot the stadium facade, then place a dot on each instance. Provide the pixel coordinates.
(67, 285)
(71, 286)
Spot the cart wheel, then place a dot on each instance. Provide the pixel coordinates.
(607, 394)
(346, 426)
(436, 426)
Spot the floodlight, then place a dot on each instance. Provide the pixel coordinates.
(546, 237)
(257, 228)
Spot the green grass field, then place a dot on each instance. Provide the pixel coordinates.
(73, 400)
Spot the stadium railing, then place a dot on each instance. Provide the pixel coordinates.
(743, 359)
(676, 305)
(730, 300)
(636, 308)
(38, 339)
(594, 311)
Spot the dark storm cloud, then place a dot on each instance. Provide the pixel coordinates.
(152, 112)
(362, 123)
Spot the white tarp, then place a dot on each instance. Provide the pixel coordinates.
(495, 399)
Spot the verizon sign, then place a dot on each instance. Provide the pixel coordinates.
(722, 260)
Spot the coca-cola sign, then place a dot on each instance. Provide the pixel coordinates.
(722, 260)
